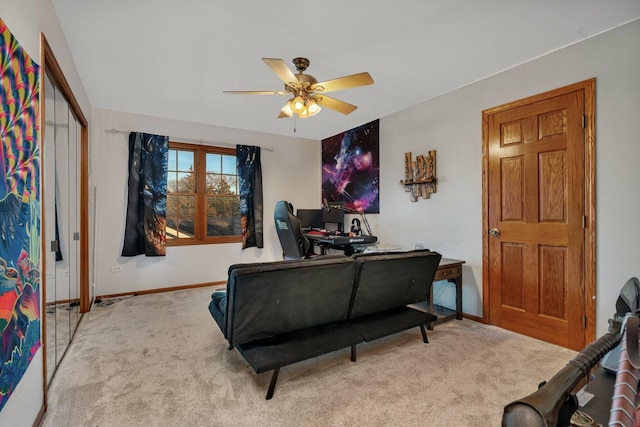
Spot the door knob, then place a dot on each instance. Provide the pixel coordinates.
(494, 232)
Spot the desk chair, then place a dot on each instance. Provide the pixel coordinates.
(294, 243)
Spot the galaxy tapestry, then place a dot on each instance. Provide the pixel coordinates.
(351, 168)
(19, 213)
(145, 228)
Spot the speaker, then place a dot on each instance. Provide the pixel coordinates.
(355, 227)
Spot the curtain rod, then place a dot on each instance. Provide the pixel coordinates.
(179, 139)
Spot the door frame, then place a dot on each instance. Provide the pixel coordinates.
(588, 86)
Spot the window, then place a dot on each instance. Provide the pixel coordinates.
(203, 203)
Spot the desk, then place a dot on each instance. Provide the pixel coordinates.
(342, 243)
(450, 270)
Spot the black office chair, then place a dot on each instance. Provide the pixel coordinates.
(294, 243)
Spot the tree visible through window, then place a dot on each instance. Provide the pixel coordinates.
(203, 205)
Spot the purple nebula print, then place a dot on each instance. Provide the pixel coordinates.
(351, 169)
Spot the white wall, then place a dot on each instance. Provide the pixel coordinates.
(451, 221)
(26, 19)
(290, 172)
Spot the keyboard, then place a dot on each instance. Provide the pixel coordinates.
(350, 240)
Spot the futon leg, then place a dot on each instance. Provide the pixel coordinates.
(353, 353)
(272, 384)
(424, 334)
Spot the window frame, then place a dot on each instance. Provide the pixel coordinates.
(200, 215)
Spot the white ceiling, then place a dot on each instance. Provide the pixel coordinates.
(171, 58)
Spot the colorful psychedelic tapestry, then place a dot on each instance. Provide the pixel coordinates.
(250, 177)
(145, 228)
(19, 213)
(351, 168)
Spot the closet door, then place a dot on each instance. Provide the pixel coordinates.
(65, 203)
(74, 223)
(49, 211)
(62, 223)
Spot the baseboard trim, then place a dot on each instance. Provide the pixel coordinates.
(474, 318)
(159, 290)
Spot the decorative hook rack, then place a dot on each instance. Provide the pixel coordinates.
(420, 176)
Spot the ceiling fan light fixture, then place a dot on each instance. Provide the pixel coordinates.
(298, 104)
(287, 109)
(303, 114)
(313, 108)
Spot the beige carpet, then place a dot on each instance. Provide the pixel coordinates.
(160, 360)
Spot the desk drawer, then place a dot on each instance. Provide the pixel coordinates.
(447, 273)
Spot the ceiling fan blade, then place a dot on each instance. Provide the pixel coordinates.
(280, 68)
(346, 82)
(335, 104)
(283, 115)
(257, 92)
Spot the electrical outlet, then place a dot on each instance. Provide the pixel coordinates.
(116, 269)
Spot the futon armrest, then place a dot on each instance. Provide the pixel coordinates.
(218, 309)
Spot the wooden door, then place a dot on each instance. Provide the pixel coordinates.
(535, 212)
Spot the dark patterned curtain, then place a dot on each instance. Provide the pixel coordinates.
(250, 175)
(145, 231)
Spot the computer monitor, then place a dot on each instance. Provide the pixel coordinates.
(310, 218)
(334, 215)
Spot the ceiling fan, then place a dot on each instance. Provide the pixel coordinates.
(307, 94)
